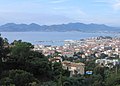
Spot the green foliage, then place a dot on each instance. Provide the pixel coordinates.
(1, 48)
(4, 50)
(50, 83)
(31, 61)
(90, 65)
(97, 80)
(74, 81)
(113, 79)
(25, 67)
(57, 71)
(99, 70)
(102, 56)
(17, 78)
(21, 50)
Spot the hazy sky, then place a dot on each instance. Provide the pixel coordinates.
(60, 11)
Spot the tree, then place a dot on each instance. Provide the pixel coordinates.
(24, 58)
(74, 81)
(97, 80)
(90, 65)
(17, 78)
(99, 70)
(57, 72)
(4, 50)
(99, 76)
(113, 79)
(39, 65)
(20, 51)
(102, 56)
(1, 54)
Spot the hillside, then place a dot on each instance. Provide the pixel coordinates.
(12, 27)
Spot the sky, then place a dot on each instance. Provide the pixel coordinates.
(48, 12)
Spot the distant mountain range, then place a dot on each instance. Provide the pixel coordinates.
(12, 27)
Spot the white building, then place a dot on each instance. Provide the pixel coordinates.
(74, 68)
(107, 62)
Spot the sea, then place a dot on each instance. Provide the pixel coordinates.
(51, 38)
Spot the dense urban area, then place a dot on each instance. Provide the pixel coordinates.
(85, 62)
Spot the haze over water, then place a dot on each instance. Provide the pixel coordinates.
(34, 37)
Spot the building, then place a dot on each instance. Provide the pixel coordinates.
(107, 62)
(55, 59)
(74, 68)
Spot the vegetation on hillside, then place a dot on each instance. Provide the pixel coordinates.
(21, 66)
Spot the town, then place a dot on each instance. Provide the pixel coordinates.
(85, 62)
(105, 51)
